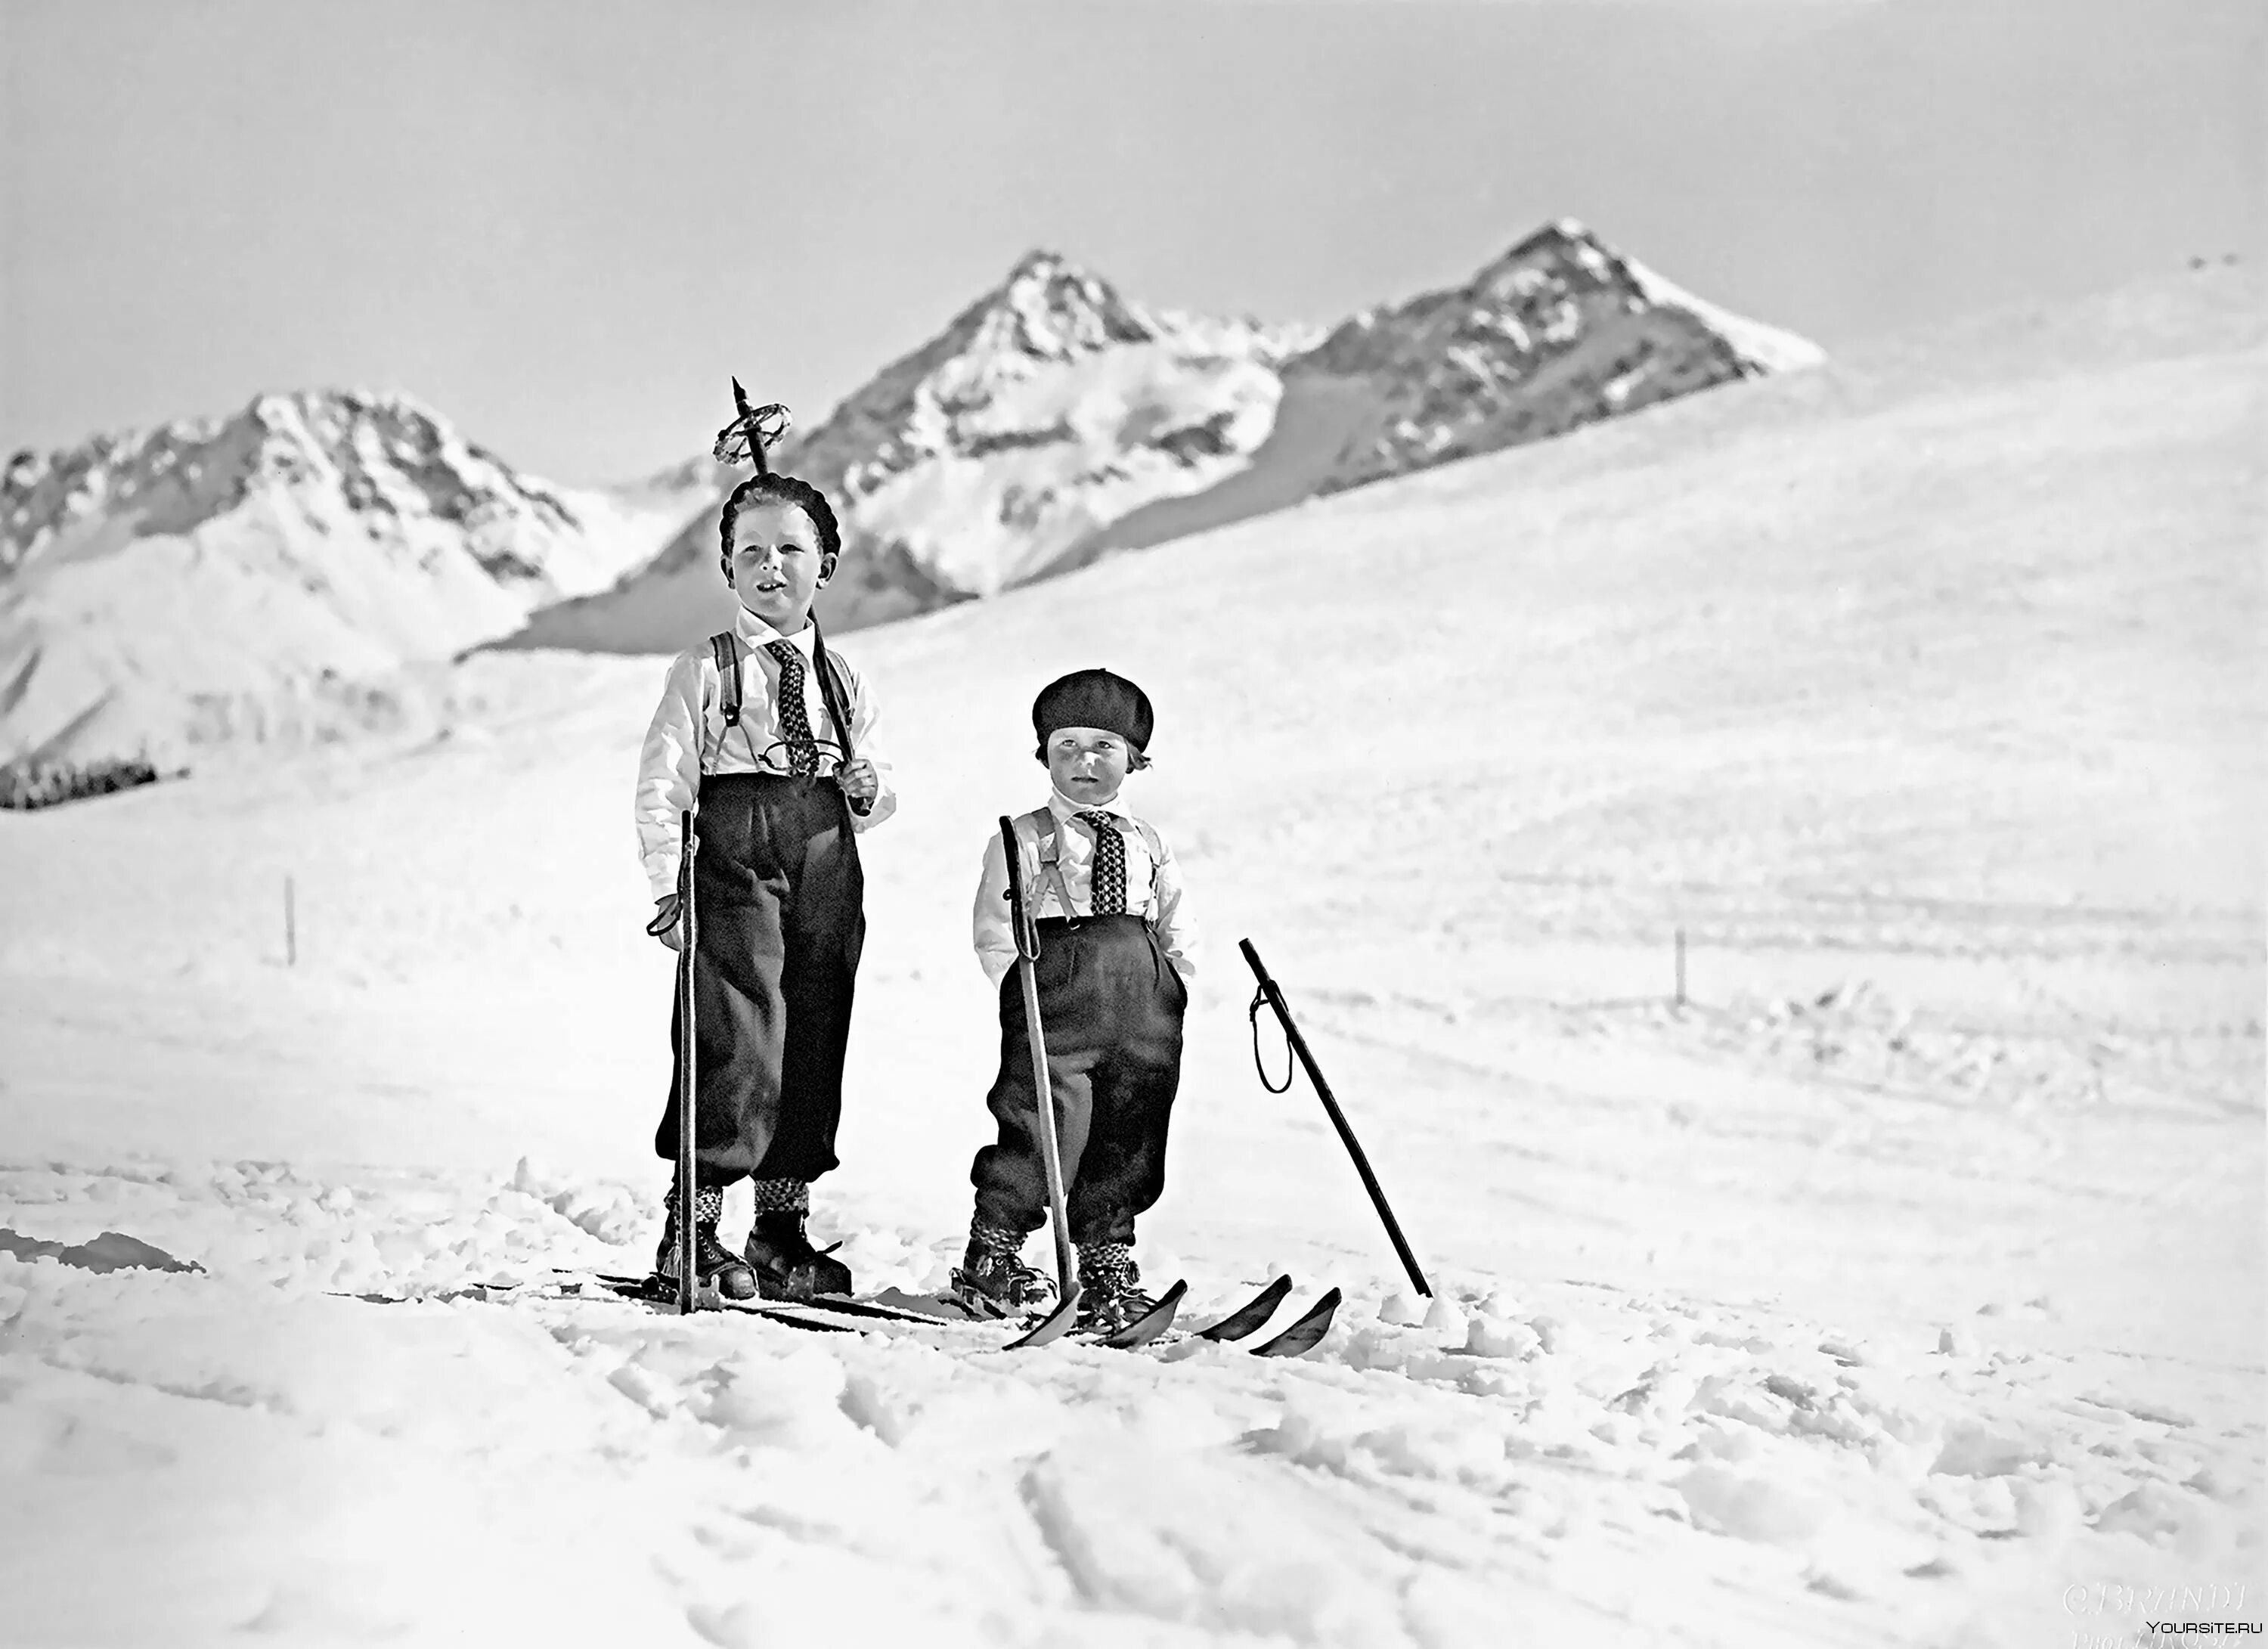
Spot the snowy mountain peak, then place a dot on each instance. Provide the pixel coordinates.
(1048, 409)
(383, 456)
(1569, 243)
(1052, 422)
(1055, 421)
(299, 411)
(1050, 309)
(374, 421)
(1564, 250)
(171, 585)
(1558, 331)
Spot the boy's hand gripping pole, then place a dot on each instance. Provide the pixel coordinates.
(1027, 953)
(687, 930)
(1272, 994)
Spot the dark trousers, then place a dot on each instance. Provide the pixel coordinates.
(1111, 1007)
(780, 901)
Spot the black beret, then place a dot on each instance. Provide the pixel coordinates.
(1094, 698)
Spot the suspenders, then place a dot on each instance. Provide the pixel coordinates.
(1044, 825)
(1041, 822)
(724, 646)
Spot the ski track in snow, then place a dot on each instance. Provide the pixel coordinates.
(1902, 1287)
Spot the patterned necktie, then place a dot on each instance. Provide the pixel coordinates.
(1107, 889)
(794, 719)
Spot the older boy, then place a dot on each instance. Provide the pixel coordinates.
(747, 728)
(1114, 958)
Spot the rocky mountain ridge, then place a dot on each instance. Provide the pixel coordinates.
(270, 575)
(214, 579)
(1047, 409)
(1054, 421)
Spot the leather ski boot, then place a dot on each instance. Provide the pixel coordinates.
(785, 1264)
(714, 1265)
(1109, 1288)
(992, 1280)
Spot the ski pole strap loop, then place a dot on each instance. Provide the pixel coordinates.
(833, 692)
(836, 695)
(1259, 1001)
(1025, 930)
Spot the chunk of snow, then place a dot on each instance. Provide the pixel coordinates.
(1971, 1450)
(1444, 1316)
(1491, 1337)
(2156, 1512)
(1404, 1306)
(1753, 1507)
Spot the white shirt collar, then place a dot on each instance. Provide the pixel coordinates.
(1063, 807)
(755, 633)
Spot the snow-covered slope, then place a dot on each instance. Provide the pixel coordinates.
(1055, 422)
(1902, 1286)
(267, 575)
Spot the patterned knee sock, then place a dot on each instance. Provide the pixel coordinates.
(1108, 1267)
(781, 1197)
(994, 1239)
(708, 1205)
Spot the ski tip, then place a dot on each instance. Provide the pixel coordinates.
(1054, 1326)
(1306, 1334)
(1251, 1316)
(1150, 1324)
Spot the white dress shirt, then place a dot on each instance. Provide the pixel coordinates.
(690, 720)
(1155, 897)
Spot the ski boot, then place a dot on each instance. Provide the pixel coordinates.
(992, 1280)
(785, 1264)
(714, 1265)
(1109, 1288)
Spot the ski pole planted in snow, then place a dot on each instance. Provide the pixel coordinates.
(688, 844)
(1272, 995)
(1027, 953)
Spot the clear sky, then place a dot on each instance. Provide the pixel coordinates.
(562, 222)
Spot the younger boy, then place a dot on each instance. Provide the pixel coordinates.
(1114, 962)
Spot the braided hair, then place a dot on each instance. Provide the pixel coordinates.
(743, 441)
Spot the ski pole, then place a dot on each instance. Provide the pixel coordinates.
(1272, 994)
(688, 932)
(1027, 953)
(750, 423)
